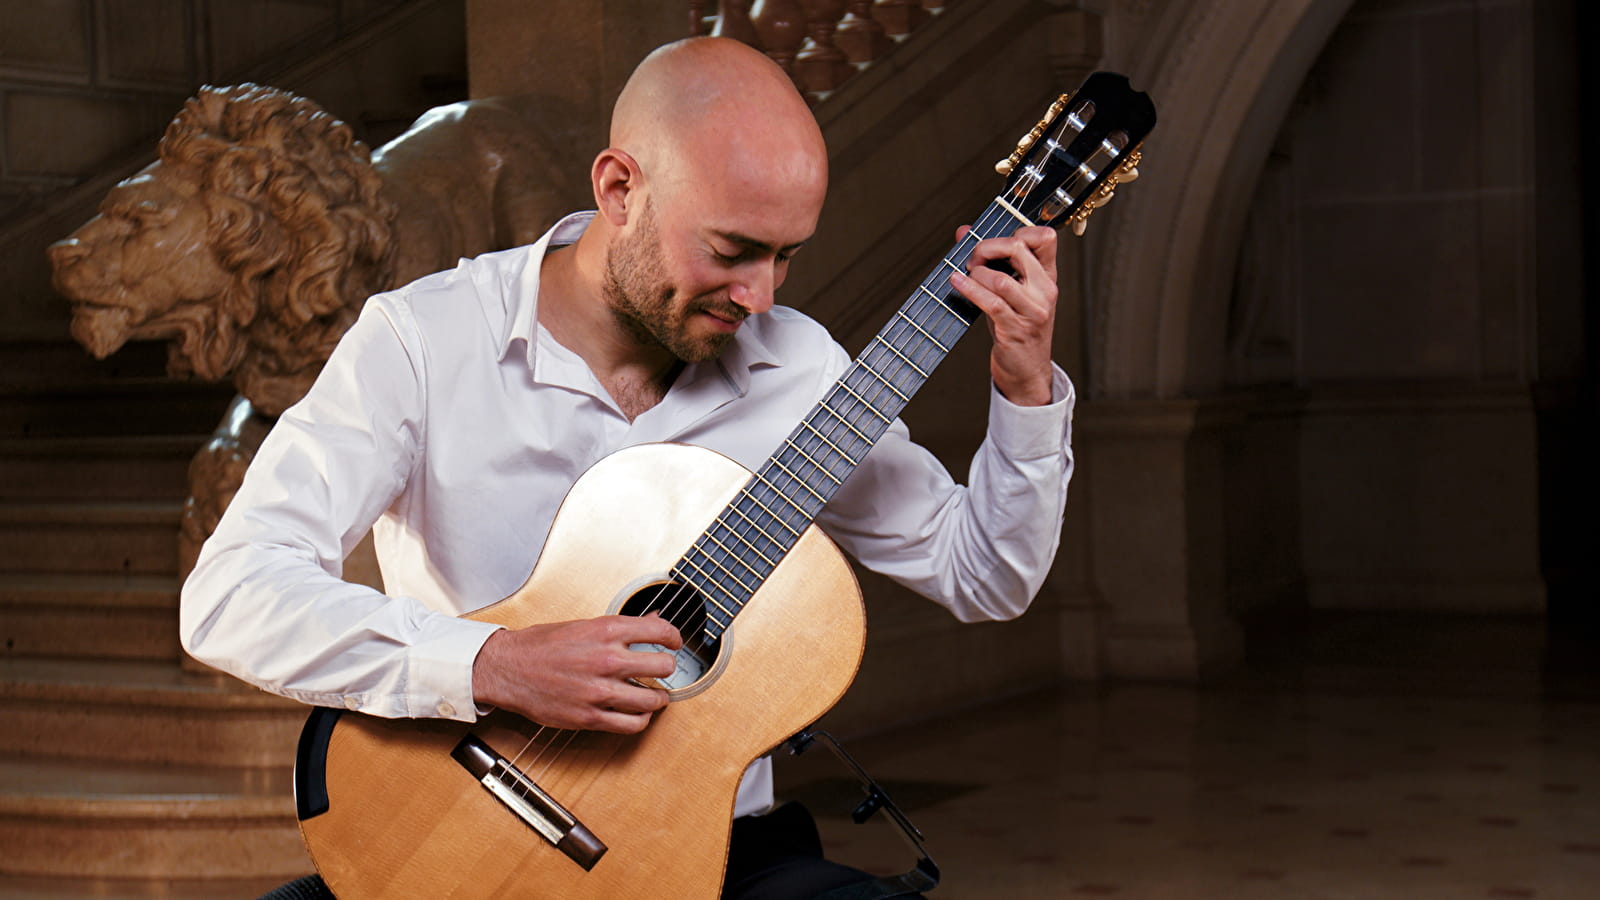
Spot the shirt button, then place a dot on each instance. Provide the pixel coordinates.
(352, 702)
(445, 709)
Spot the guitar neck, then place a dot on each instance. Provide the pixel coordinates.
(729, 562)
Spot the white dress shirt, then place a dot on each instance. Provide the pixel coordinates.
(451, 425)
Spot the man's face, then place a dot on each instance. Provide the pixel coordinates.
(695, 265)
(655, 308)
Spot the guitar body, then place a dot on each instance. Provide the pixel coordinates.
(405, 819)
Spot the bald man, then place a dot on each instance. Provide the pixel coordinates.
(458, 410)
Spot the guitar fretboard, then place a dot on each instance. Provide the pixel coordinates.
(730, 561)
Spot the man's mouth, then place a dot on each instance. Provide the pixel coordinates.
(727, 320)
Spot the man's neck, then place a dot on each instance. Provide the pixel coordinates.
(572, 307)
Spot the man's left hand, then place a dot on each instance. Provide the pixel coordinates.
(1020, 309)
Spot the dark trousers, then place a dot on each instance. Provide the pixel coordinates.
(773, 857)
(778, 856)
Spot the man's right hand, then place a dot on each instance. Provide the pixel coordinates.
(577, 674)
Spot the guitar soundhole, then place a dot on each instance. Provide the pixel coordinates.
(685, 608)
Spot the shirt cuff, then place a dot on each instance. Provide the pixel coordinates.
(441, 669)
(1032, 432)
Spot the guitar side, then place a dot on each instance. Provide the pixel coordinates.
(404, 818)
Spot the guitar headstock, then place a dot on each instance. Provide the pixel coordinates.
(1072, 161)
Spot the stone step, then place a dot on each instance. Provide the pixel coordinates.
(130, 821)
(130, 537)
(137, 711)
(83, 616)
(148, 467)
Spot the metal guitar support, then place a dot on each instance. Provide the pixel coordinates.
(923, 877)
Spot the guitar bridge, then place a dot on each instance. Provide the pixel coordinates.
(518, 793)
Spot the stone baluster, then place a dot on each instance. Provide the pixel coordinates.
(781, 25)
(899, 17)
(861, 37)
(820, 43)
(820, 66)
(734, 22)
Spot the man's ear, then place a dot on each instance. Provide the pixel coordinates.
(616, 178)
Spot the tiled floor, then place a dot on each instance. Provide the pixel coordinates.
(1419, 779)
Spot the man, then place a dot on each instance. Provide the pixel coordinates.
(459, 409)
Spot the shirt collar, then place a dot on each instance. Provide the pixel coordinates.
(747, 350)
(523, 285)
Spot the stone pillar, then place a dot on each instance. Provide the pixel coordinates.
(1154, 473)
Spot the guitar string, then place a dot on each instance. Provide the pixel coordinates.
(684, 594)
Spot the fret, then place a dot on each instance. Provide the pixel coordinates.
(709, 586)
(752, 547)
(945, 330)
(864, 384)
(765, 478)
(798, 480)
(944, 305)
(936, 298)
(901, 314)
(824, 438)
(723, 609)
(907, 360)
(886, 382)
(786, 526)
(843, 421)
(863, 401)
(725, 570)
(814, 464)
(753, 524)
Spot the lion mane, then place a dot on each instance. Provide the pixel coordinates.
(253, 240)
(298, 216)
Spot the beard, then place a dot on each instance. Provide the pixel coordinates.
(649, 307)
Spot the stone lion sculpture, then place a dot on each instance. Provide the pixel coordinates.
(264, 225)
(253, 240)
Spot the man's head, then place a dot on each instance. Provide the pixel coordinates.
(715, 176)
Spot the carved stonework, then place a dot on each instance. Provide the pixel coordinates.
(263, 227)
(252, 241)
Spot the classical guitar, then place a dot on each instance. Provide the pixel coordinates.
(505, 807)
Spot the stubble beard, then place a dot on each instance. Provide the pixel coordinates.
(646, 305)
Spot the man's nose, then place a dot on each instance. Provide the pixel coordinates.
(755, 294)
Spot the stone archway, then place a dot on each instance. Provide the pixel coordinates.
(1156, 306)
(1392, 502)
(1225, 79)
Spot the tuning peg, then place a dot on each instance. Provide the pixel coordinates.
(1005, 166)
(1126, 172)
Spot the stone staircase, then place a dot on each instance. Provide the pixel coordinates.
(116, 761)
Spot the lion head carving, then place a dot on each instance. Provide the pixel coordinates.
(252, 241)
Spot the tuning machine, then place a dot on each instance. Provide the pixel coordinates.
(1126, 171)
(1005, 166)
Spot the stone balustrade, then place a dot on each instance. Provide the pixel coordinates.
(820, 43)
